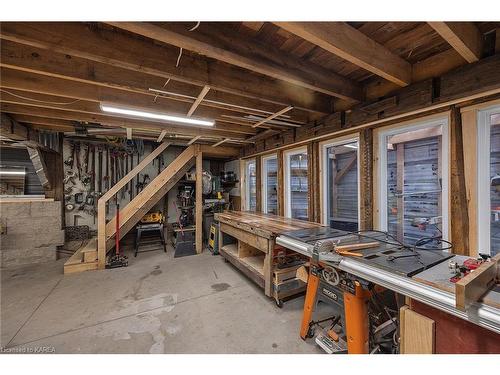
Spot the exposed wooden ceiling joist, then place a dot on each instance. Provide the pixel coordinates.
(252, 56)
(112, 121)
(40, 61)
(193, 140)
(89, 96)
(122, 51)
(352, 45)
(464, 37)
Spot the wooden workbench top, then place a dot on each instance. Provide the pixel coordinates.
(265, 225)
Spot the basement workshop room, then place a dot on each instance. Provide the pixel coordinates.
(250, 187)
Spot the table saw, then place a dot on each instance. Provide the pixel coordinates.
(389, 266)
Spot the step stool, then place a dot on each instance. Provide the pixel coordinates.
(149, 228)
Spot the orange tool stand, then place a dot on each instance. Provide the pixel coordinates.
(355, 310)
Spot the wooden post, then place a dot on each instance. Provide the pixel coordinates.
(258, 183)
(365, 175)
(400, 189)
(315, 181)
(458, 193)
(281, 187)
(199, 200)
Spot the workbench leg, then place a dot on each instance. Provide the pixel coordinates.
(268, 270)
(312, 290)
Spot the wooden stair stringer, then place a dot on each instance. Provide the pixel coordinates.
(152, 193)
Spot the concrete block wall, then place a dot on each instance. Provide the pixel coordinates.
(32, 232)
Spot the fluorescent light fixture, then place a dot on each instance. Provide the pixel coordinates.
(154, 116)
(12, 173)
(351, 145)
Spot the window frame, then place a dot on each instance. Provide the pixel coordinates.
(246, 163)
(264, 178)
(286, 177)
(324, 175)
(381, 155)
(483, 194)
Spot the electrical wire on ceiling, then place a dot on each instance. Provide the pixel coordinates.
(178, 59)
(164, 85)
(39, 101)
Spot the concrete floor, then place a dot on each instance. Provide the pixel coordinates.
(158, 304)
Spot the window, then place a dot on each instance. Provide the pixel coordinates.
(270, 184)
(296, 188)
(489, 181)
(340, 185)
(413, 179)
(250, 186)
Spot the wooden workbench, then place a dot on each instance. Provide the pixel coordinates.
(247, 240)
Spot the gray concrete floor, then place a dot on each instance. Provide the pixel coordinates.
(159, 304)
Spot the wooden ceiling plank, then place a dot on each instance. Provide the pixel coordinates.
(199, 99)
(123, 51)
(352, 45)
(274, 115)
(464, 37)
(252, 56)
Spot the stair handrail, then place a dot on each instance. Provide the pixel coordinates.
(101, 203)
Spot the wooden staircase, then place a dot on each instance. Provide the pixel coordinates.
(135, 210)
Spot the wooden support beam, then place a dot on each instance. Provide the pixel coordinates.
(464, 37)
(111, 121)
(251, 56)
(197, 102)
(51, 92)
(458, 193)
(199, 200)
(193, 140)
(41, 61)
(274, 115)
(352, 45)
(11, 129)
(114, 49)
(161, 136)
(220, 142)
(470, 82)
(365, 174)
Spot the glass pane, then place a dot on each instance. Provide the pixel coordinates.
(271, 170)
(342, 186)
(298, 186)
(251, 186)
(495, 183)
(414, 189)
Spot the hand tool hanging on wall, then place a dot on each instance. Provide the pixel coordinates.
(122, 165)
(92, 169)
(137, 183)
(112, 163)
(99, 176)
(106, 176)
(131, 188)
(70, 161)
(77, 157)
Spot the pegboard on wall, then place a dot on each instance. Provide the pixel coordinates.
(92, 167)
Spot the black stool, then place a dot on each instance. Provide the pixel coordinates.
(146, 228)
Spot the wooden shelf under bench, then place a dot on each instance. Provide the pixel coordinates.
(247, 241)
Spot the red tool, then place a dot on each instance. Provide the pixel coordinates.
(117, 260)
(467, 267)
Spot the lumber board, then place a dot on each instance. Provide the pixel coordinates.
(248, 238)
(199, 200)
(417, 333)
(476, 284)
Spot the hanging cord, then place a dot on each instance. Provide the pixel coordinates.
(195, 26)
(39, 101)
